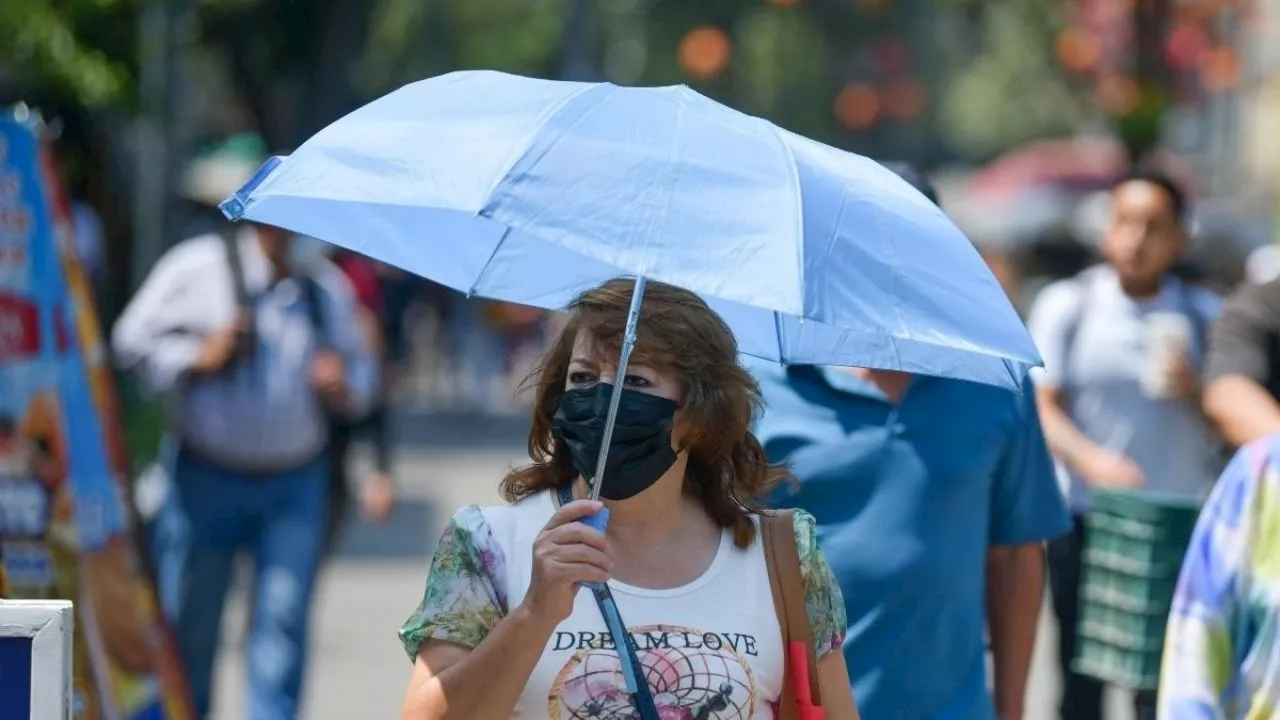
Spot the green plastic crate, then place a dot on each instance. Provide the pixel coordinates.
(1134, 546)
(1115, 665)
(1108, 589)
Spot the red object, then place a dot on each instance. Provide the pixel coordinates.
(19, 328)
(798, 659)
(1186, 46)
(1082, 164)
(363, 275)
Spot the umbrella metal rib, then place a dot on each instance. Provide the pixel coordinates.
(619, 377)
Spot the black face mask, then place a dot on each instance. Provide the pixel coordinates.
(640, 450)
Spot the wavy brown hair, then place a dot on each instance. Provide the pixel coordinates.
(680, 335)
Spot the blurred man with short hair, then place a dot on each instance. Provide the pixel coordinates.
(1122, 344)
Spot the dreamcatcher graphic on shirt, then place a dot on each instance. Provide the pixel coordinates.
(690, 680)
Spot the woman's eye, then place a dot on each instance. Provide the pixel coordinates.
(637, 381)
(580, 378)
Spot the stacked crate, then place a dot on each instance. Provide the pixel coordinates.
(1134, 546)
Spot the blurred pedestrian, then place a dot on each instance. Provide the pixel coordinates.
(933, 499)
(1242, 375)
(1122, 344)
(476, 356)
(1222, 649)
(229, 328)
(377, 489)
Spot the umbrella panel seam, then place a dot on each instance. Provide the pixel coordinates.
(520, 154)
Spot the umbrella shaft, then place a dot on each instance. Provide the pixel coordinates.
(619, 379)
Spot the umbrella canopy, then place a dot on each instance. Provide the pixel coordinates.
(532, 191)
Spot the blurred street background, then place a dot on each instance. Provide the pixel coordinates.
(1023, 112)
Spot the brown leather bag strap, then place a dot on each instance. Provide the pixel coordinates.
(782, 558)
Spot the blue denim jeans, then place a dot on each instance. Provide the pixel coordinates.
(210, 515)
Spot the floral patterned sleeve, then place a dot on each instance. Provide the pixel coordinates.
(823, 598)
(464, 598)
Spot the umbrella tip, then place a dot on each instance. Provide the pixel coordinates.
(234, 207)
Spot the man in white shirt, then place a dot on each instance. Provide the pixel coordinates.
(253, 353)
(1122, 343)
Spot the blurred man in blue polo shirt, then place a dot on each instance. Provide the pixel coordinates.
(933, 499)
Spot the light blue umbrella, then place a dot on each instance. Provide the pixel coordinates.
(531, 191)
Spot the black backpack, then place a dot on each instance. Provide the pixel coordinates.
(244, 302)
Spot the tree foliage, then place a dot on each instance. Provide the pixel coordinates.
(62, 43)
(987, 67)
(1011, 91)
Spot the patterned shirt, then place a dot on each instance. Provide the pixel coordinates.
(1222, 650)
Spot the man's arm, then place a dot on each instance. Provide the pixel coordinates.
(141, 342)
(1056, 310)
(1242, 409)
(1026, 509)
(1063, 438)
(1015, 591)
(1239, 364)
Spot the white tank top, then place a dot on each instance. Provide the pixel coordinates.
(709, 649)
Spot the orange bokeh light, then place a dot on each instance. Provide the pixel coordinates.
(1220, 69)
(857, 107)
(904, 99)
(704, 52)
(1079, 49)
(1118, 94)
(1190, 13)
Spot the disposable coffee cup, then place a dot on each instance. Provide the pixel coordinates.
(1168, 338)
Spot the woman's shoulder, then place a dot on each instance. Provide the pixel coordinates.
(484, 522)
(467, 540)
(479, 539)
(824, 601)
(805, 530)
(803, 525)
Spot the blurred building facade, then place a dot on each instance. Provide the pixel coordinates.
(1260, 152)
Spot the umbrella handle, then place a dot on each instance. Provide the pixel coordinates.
(630, 673)
(599, 521)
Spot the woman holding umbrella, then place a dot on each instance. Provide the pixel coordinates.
(503, 629)
(803, 254)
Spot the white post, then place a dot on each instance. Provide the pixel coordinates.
(48, 624)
